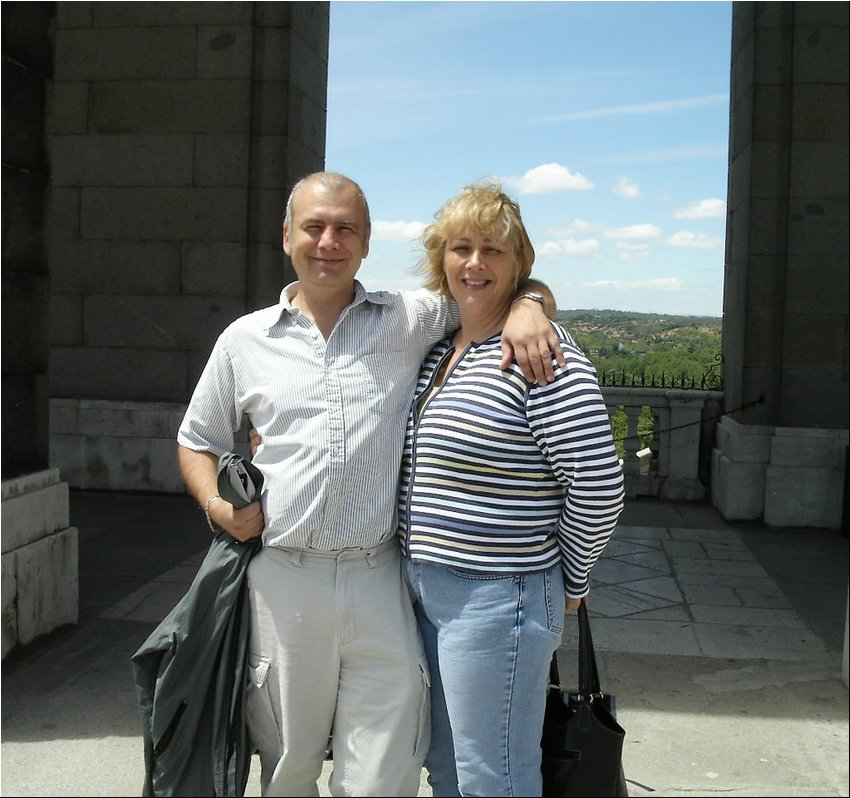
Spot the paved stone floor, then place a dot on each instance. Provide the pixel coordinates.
(724, 644)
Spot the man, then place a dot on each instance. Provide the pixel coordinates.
(326, 377)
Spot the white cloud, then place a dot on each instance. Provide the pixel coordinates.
(600, 284)
(396, 231)
(702, 209)
(690, 240)
(660, 284)
(626, 188)
(627, 251)
(641, 231)
(576, 227)
(548, 179)
(662, 106)
(547, 249)
(569, 246)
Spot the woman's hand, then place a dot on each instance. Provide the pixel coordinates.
(572, 604)
(255, 440)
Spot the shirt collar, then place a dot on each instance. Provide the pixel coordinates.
(272, 315)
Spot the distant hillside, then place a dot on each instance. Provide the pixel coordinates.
(628, 346)
(626, 319)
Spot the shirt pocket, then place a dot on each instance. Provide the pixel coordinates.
(386, 380)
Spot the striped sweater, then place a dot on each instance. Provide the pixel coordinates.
(500, 475)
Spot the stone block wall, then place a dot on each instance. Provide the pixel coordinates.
(176, 130)
(783, 477)
(39, 561)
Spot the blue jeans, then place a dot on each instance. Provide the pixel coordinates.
(489, 639)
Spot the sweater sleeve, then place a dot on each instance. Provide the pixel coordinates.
(569, 419)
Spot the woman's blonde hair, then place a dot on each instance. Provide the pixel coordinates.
(487, 210)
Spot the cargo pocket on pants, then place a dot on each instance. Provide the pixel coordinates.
(423, 736)
(262, 706)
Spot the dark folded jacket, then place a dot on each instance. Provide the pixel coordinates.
(190, 676)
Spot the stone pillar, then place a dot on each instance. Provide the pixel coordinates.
(27, 70)
(39, 549)
(683, 483)
(176, 131)
(785, 328)
(785, 325)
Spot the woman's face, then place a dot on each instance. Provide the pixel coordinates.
(481, 273)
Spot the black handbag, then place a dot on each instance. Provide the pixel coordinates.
(582, 742)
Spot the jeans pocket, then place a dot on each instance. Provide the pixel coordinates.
(555, 599)
(479, 576)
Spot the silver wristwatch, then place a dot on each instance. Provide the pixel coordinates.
(531, 295)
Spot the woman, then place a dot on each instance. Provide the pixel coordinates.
(509, 493)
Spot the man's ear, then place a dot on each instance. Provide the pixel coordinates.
(286, 241)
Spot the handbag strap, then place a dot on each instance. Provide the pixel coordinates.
(588, 673)
(554, 676)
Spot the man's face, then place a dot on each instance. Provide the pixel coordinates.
(326, 241)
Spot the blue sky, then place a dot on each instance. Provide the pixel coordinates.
(607, 121)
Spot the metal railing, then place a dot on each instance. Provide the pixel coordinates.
(710, 380)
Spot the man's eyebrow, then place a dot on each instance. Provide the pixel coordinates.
(319, 220)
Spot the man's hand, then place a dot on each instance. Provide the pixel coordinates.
(242, 524)
(529, 338)
(199, 472)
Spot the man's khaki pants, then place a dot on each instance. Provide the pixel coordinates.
(335, 650)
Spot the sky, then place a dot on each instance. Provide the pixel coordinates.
(608, 122)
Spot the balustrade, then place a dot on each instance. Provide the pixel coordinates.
(679, 443)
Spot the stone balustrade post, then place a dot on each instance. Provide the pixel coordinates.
(683, 481)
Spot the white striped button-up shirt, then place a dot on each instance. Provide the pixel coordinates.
(331, 413)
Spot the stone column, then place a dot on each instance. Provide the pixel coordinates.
(683, 482)
(39, 549)
(785, 327)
